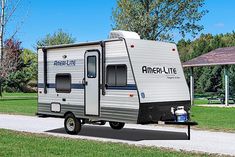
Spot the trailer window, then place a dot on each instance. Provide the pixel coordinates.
(63, 83)
(111, 78)
(91, 66)
(116, 75)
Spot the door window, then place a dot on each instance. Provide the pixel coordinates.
(91, 66)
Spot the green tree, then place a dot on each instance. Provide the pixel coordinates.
(10, 63)
(208, 79)
(24, 78)
(232, 79)
(158, 19)
(59, 37)
(29, 62)
(184, 47)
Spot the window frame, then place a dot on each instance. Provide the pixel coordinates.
(116, 65)
(88, 66)
(63, 91)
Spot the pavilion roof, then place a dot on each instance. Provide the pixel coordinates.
(220, 56)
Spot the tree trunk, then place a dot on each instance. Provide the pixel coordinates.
(2, 24)
(0, 88)
(2, 28)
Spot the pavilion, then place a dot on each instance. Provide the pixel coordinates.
(221, 56)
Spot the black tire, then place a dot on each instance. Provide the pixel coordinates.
(72, 125)
(102, 122)
(116, 125)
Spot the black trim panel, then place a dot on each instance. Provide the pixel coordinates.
(45, 69)
(159, 111)
(76, 44)
(102, 43)
(47, 115)
(70, 45)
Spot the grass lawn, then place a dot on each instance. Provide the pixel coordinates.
(19, 103)
(18, 95)
(200, 101)
(24, 144)
(216, 118)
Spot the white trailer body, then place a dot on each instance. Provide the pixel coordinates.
(119, 80)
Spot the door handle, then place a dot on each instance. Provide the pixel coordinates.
(84, 82)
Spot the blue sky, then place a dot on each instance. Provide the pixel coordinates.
(89, 20)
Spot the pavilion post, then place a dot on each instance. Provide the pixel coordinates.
(226, 84)
(191, 86)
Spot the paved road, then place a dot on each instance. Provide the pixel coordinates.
(147, 135)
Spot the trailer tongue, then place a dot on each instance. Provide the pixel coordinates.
(188, 123)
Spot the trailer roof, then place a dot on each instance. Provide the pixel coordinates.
(77, 44)
(220, 56)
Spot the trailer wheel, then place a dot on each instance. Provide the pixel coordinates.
(72, 125)
(116, 125)
(102, 122)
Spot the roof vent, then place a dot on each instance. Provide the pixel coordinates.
(123, 34)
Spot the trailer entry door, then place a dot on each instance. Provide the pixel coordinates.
(92, 68)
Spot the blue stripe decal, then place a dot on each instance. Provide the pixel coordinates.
(51, 85)
(81, 86)
(40, 85)
(127, 87)
(77, 86)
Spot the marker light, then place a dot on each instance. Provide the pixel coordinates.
(132, 46)
(131, 95)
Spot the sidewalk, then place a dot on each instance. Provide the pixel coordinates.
(147, 135)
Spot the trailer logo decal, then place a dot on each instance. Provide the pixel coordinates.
(142, 95)
(65, 63)
(158, 70)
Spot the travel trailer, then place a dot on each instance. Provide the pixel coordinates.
(119, 80)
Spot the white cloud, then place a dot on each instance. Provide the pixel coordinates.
(219, 25)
